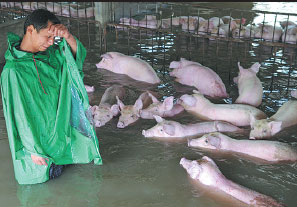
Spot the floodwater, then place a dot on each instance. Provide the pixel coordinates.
(139, 171)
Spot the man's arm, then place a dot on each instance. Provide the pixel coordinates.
(62, 31)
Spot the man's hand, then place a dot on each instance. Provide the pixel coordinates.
(62, 31)
(59, 30)
(38, 160)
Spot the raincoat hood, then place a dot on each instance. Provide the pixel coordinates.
(46, 109)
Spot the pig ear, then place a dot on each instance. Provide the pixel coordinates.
(233, 25)
(106, 56)
(174, 64)
(255, 67)
(243, 21)
(214, 141)
(120, 103)
(275, 126)
(114, 109)
(189, 100)
(168, 103)
(93, 109)
(138, 104)
(240, 67)
(169, 129)
(196, 91)
(159, 119)
(154, 99)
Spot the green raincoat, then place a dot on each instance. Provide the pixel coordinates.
(46, 109)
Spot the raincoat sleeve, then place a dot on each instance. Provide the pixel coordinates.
(22, 134)
(80, 56)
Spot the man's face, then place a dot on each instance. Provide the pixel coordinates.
(43, 39)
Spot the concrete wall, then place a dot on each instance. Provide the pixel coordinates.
(15, 26)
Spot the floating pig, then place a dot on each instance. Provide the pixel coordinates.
(89, 89)
(203, 78)
(236, 114)
(285, 116)
(163, 109)
(133, 67)
(249, 86)
(294, 94)
(207, 172)
(173, 129)
(271, 151)
(108, 107)
(130, 113)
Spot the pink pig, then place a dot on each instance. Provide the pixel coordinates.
(285, 116)
(163, 109)
(271, 151)
(89, 89)
(249, 86)
(207, 173)
(133, 67)
(130, 113)
(236, 114)
(108, 107)
(203, 78)
(172, 129)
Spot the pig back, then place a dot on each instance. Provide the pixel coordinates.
(109, 96)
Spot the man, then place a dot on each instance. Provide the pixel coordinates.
(45, 104)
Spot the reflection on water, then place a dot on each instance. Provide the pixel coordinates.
(138, 171)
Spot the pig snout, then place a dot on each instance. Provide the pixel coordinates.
(98, 65)
(98, 124)
(121, 124)
(190, 143)
(185, 163)
(147, 133)
(144, 133)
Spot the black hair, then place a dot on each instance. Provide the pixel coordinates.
(39, 19)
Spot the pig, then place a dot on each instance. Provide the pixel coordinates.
(294, 94)
(203, 78)
(244, 32)
(268, 32)
(225, 30)
(249, 86)
(149, 21)
(284, 24)
(207, 173)
(285, 116)
(130, 113)
(173, 129)
(89, 89)
(189, 23)
(206, 26)
(218, 32)
(108, 107)
(271, 151)
(133, 67)
(236, 114)
(162, 109)
(168, 22)
(290, 34)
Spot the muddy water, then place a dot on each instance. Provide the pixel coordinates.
(138, 171)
